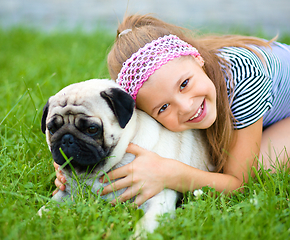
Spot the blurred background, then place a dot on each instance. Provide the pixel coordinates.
(270, 17)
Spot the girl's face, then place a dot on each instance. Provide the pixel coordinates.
(179, 95)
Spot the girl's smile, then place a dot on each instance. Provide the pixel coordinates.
(180, 95)
(200, 113)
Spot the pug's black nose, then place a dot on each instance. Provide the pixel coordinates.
(67, 140)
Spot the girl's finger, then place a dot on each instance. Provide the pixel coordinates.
(56, 166)
(60, 177)
(115, 174)
(141, 198)
(128, 194)
(120, 184)
(54, 192)
(134, 149)
(59, 184)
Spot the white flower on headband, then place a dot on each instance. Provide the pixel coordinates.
(141, 65)
(124, 32)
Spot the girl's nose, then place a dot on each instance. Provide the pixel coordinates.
(184, 105)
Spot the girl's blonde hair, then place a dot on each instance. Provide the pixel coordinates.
(146, 28)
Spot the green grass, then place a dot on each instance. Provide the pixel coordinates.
(34, 66)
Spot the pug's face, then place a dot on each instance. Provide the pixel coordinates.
(84, 122)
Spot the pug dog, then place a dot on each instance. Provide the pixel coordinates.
(90, 124)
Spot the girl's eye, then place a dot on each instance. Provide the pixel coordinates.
(184, 84)
(163, 108)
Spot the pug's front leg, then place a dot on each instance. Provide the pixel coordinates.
(59, 197)
(161, 203)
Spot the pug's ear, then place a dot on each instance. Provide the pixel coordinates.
(44, 116)
(121, 103)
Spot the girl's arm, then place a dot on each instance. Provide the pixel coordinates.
(149, 173)
(242, 157)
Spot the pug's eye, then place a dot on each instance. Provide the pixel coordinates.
(55, 124)
(93, 130)
(52, 129)
(51, 132)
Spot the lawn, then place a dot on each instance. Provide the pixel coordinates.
(34, 66)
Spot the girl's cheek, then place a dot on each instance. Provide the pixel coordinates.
(172, 125)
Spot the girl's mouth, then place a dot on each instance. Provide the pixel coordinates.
(199, 113)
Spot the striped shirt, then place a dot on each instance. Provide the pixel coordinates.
(258, 88)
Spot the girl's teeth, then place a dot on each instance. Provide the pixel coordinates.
(197, 114)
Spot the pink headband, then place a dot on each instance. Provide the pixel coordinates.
(142, 64)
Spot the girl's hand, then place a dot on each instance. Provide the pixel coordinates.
(60, 179)
(144, 177)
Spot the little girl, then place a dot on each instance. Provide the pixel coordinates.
(235, 88)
